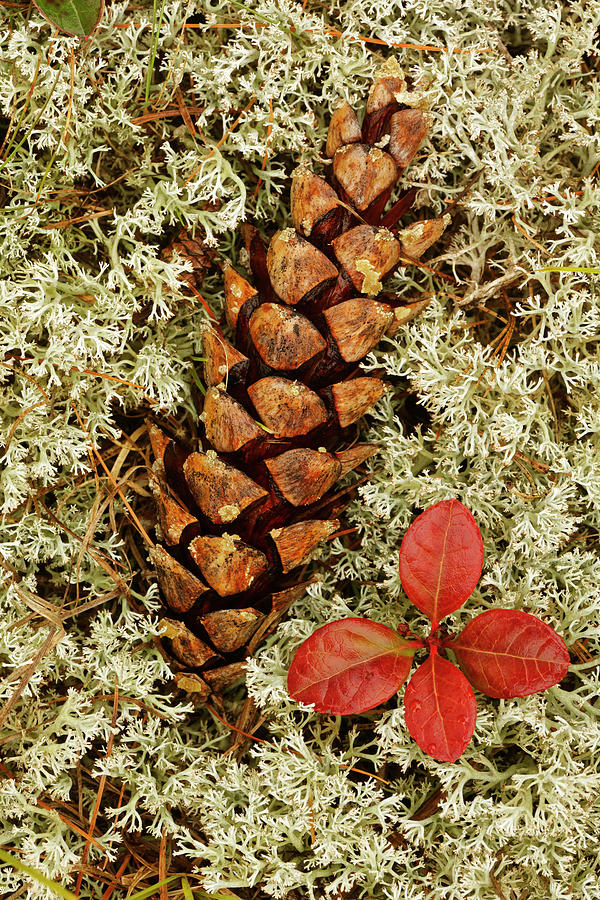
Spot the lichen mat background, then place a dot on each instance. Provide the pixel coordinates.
(94, 330)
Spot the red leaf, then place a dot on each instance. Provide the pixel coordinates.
(441, 558)
(440, 709)
(508, 653)
(350, 666)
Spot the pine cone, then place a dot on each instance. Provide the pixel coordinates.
(241, 516)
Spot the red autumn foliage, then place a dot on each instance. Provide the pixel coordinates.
(440, 708)
(352, 665)
(441, 558)
(509, 653)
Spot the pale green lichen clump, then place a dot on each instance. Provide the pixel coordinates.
(517, 815)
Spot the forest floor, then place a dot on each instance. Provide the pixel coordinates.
(192, 117)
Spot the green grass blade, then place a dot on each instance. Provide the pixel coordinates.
(150, 891)
(198, 383)
(187, 891)
(11, 860)
(156, 26)
(594, 270)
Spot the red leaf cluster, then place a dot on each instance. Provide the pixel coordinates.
(353, 665)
